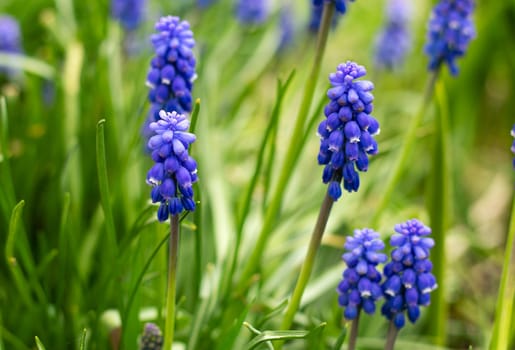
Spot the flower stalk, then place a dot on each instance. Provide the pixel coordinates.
(353, 336)
(391, 336)
(307, 266)
(172, 274)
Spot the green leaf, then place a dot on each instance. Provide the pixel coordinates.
(82, 343)
(39, 344)
(268, 336)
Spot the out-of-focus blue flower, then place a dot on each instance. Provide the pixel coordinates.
(152, 338)
(339, 5)
(128, 12)
(204, 3)
(316, 17)
(287, 27)
(513, 144)
(409, 280)
(174, 171)
(10, 39)
(449, 33)
(252, 11)
(172, 70)
(360, 287)
(394, 41)
(346, 135)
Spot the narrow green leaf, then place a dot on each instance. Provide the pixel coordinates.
(104, 190)
(194, 116)
(27, 64)
(82, 343)
(267, 336)
(39, 344)
(21, 283)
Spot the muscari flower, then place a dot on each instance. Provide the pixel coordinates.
(316, 17)
(393, 41)
(346, 135)
(409, 280)
(174, 171)
(287, 28)
(339, 5)
(10, 38)
(204, 3)
(252, 11)
(513, 144)
(151, 339)
(172, 69)
(128, 12)
(360, 287)
(449, 33)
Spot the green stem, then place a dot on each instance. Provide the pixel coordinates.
(353, 336)
(406, 147)
(391, 336)
(293, 150)
(439, 211)
(307, 266)
(506, 300)
(170, 293)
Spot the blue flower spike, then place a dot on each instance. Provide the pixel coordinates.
(174, 172)
(128, 12)
(409, 280)
(346, 135)
(252, 11)
(152, 338)
(450, 31)
(360, 287)
(394, 41)
(172, 71)
(10, 40)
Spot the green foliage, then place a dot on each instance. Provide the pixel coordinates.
(84, 265)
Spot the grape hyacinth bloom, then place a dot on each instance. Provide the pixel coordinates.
(449, 33)
(172, 70)
(346, 135)
(174, 171)
(513, 144)
(393, 42)
(128, 12)
(151, 339)
(287, 28)
(339, 5)
(360, 287)
(10, 38)
(316, 16)
(409, 280)
(252, 11)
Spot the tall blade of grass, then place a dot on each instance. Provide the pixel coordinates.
(292, 152)
(504, 310)
(439, 208)
(39, 344)
(245, 206)
(82, 342)
(112, 247)
(20, 282)
(7, 196)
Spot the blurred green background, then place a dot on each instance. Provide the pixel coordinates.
(80, 71)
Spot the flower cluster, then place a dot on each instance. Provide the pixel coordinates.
(172, 70)
(360, 287)
(151, 339)
(513, 144)
(346, 135)
(409, 280)
(316, 17)
(394, 40)
(9, 39)
(449, 33)
(252, 11)
(174, 170)
(128, 12)
(339, 5)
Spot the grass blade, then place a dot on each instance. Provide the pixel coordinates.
(104, 190)
(268, 336)
(39, 344)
